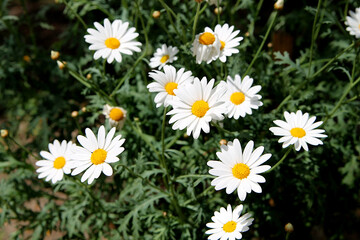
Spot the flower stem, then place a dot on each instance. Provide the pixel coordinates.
(313, 37)
(76, 15)
(262, 44)
(281, 160)
(195, 21)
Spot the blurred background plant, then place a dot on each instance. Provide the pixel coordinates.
(303, 58)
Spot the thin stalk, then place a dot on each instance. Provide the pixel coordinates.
(162, 159)
(218, 13)
(281, 160)
(201, 11)
(313, 37)
(195, 176)
(262, 44)
(195, 21)
(169, 12)
(142, 178)
(341, 100)
(76, 15)
(23, 148)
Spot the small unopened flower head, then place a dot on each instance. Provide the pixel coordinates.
(4, 133)
(27, 58)
(353, 23)
(83, 109)
(88, 76)
(74, 114)
(218, 10)
(279, 5)
(54, 55)
(199, 1)
(247, 34)
(223, 142)
(156, 14)
(61, 64)
(289, 228)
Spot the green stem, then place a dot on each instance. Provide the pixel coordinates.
(262, 44)
(76, 15)
(350, 86)
(313, 37)
(162, 159)
(23, 148)
(287, 235)
(281, 160)
(195, 21)
(195, 176)
(142, 178)
(169, 12)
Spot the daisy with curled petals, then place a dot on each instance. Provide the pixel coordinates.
(196, 105)
(116, 115)
(206, 46)
(163, 56)
(240, 98)
(239, 169)
(56, 162)
(112, 40)
(96, 153)
(299, 130)
(353, 23)
(228, 40)
(166, 82)
(228, 224)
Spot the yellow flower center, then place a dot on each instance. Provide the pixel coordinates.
(169, 87)
(222, 45)
(199, 108)
(359, 26)
(206, 38)
(241, 170)
(59, 162)
(237, 98)
(98, 156)
(229, 226)
(164, 58)
(298, 132)
(116, 114)
(112, 43)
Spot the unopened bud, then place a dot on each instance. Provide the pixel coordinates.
(54, 55)
(271, 202)
(4, 133)
(223, 142)
(136, 119)
(164, 214)
(218, 10)
(88, 76)
(269, 45)
(61, 65)
(27, 58)
(83, 109)
(247, 34)
(289, 228)
(198, 1)
(279, 5)
(74, 114)
(156, 14)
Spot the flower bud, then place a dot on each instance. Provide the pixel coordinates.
(54, 55)
(61, 65)
(156, 14)
(223, 142)
(4, 133)
(218, 10)
(83, 109)
(247, 34)
(279, 5)
(289, 228)
(27, 58)
(88, 76)
(74, 114)
(198, 1)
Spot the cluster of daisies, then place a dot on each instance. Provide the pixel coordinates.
(195, 103)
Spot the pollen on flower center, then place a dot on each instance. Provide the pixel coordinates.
(199, 108)
(237, 98)
(169, 87)
(59, 162)
(206, 38)
(98, 156)
(298, 132)
(229, 226)
(112, 43)
(241, 170)
(222, 45)
(116, 114)
(164, 58)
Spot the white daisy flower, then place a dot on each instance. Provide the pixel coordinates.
(116, 115)
(56, 162)
(353, 23)
(195, 106)
(214, 2)
(239, 170)
(228, 40)
(206, 46)
(97, 153)
(298, 129)
(166, 82)
(112, 40)
(228, 224)
(163, 56)
(240, 98)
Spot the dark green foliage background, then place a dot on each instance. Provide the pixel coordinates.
(317, 191)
